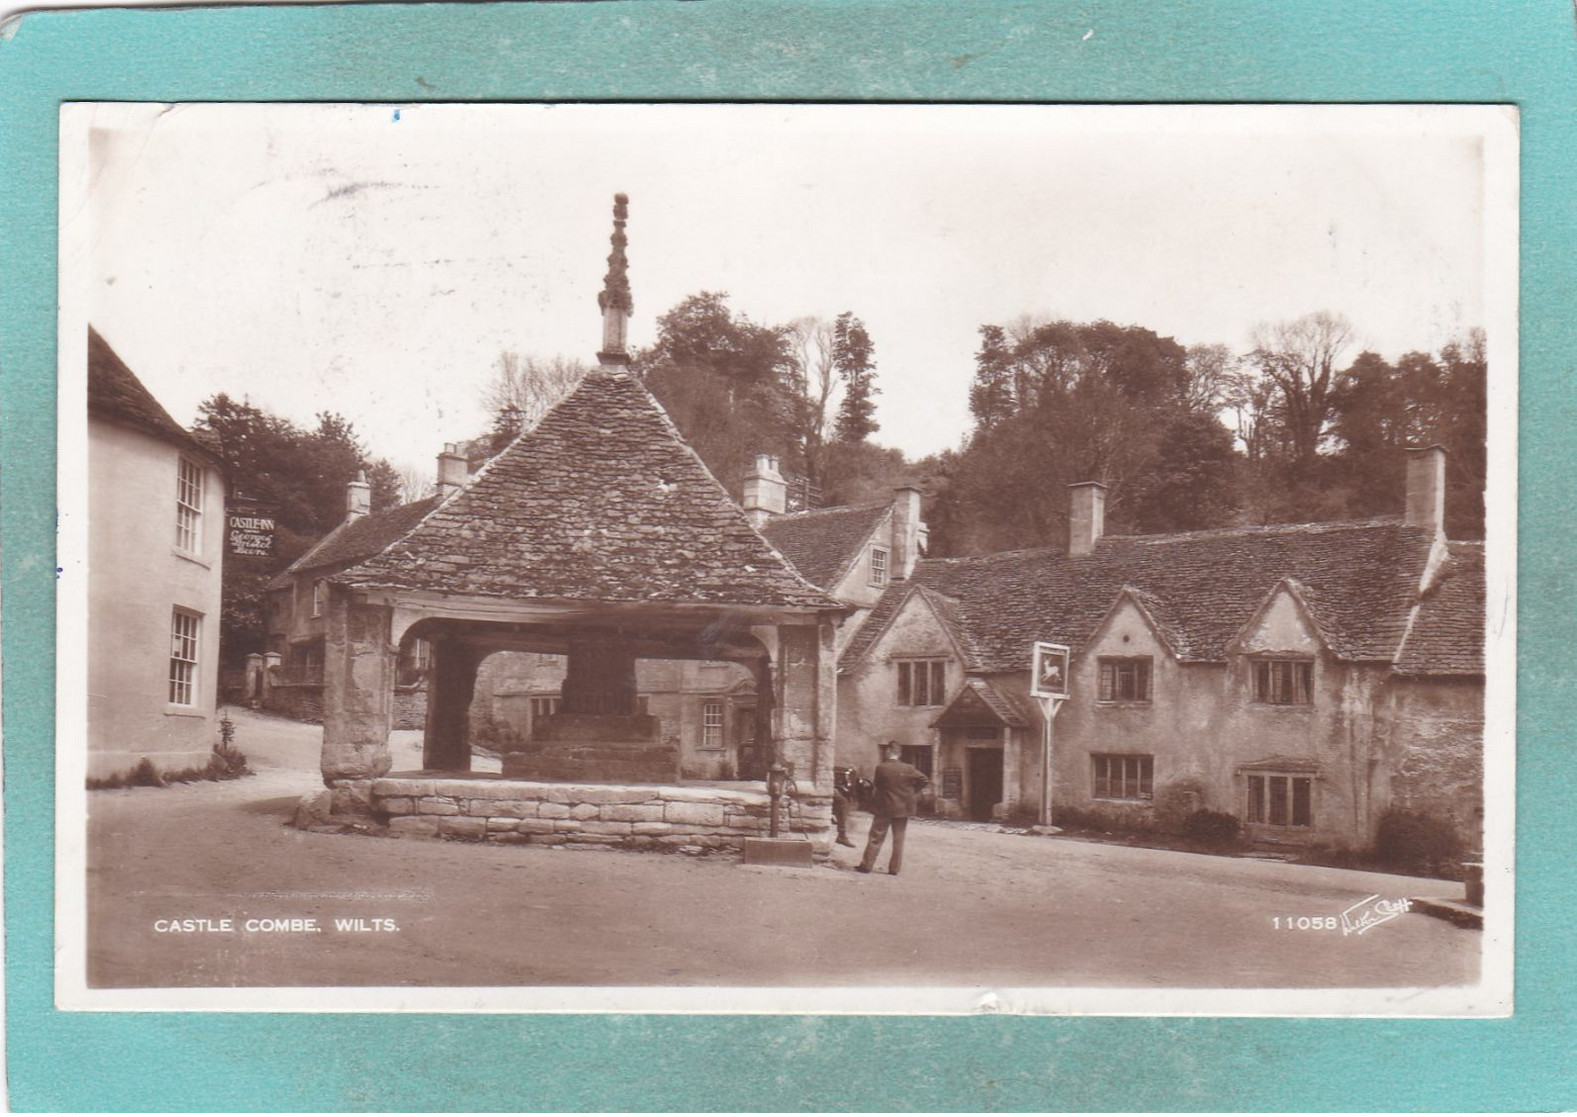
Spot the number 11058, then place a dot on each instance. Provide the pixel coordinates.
(1304, 922)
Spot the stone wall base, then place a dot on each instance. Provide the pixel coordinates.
(574, 816)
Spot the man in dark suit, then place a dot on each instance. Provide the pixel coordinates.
(898, 787)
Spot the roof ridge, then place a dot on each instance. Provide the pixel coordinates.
(869, 506)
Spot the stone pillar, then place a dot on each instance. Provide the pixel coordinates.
(599, 678)
(254, 678)
(806, 702)
(358, 689)
(451, 685)
(271, 660)
(1011, 792)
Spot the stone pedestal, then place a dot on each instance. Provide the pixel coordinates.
(599, 678)
(597, 748)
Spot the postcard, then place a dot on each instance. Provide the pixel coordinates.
(787, 558)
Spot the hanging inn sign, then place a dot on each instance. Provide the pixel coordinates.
(250, 532)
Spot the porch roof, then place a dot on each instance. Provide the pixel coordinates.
(979, 702)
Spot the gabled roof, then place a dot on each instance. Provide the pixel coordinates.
(982, 703)
(824, 543)
(1299, 595)
(887, 609)
(1359, 581)
(358, 539)
(115, 394)
(601, 501)
(1447, 637)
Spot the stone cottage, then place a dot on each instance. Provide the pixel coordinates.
(287, 678)
(708, 709)
(1302, 677)
(156, 533)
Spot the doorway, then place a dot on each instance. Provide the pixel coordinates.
(985, 782)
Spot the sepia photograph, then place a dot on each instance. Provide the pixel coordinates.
(787, 558)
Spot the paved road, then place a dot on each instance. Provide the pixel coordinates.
(973, 907)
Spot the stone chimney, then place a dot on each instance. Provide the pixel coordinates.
(908, 530)
(1086, 516)
(1426, 487)
(453, 469)
(765, 491)
(358, 497)
(615, 299)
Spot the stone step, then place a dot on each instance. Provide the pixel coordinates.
(1460, 912)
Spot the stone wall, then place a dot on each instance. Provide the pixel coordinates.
(410, 707)
(302, 701)
(1435, 751)
(585, 816)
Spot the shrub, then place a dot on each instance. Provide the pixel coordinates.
(227, 761)
(1213, 827)
(1176, 803)
(144, 775)
(1417, 842)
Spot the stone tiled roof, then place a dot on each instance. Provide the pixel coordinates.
(1359, 581)
(887, 608)
(601, 501)
(875, 622)
(115, 394)
(358, 539)
(1447, 638)
(825, 542)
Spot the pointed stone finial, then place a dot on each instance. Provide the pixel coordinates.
(615, 299)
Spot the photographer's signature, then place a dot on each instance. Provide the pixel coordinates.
(1371, 912)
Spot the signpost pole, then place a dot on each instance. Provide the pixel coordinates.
(1048, 681)
(1048, 709)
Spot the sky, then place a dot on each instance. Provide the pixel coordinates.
(375, 260)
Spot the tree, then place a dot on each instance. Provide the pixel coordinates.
(852, 356)
(525, 388)
(1301, 361)
(1192, 483)
(1210, 375)
(816, 379)
(387, 486)
(1382, 409)
(991, 397)
(1059, 402)
(416, 482)
(300, 477)
(728, 383)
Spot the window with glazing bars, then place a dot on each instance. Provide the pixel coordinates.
(1284, 682)
(712, 725)
(1275, 800)
(189, 507)
(183, 658)
(922, 682)
(1122, 777)
(878, 566)
(1125, 679)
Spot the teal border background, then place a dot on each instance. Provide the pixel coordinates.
(966, 50)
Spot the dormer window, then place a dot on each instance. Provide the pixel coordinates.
(878, 566)
(1124, 678)
(189, 507)
(1284, 682)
